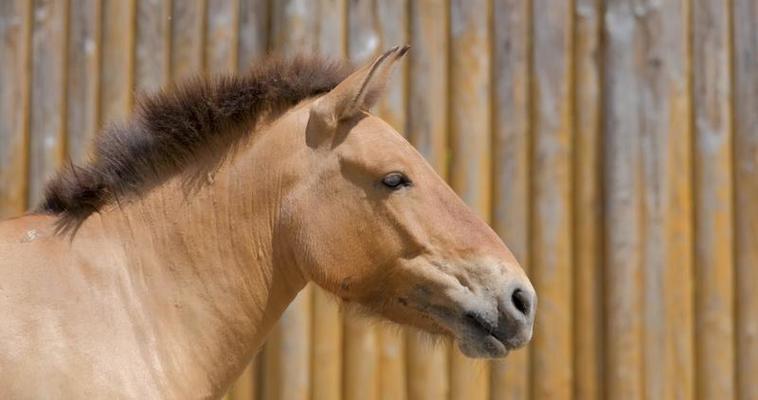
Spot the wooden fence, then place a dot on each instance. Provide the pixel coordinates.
(613, 144)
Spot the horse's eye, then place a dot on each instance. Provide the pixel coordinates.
(395, 180)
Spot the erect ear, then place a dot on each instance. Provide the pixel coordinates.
(357, 92)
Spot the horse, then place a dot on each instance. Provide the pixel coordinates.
(156, 268)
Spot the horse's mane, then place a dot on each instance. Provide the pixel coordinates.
(183, 126)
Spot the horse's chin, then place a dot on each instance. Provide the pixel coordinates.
(484, 347)
(473, 343)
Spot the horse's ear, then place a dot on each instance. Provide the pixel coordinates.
(357, 92)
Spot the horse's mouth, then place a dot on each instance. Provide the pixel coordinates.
(479, 339)
(474, 335)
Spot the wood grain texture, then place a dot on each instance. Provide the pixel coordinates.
(246, 386)
(664, 121)
(612, 144)
(15, 86)
(391, 18)
(272, 366)
(392, 368)
(253, 31)
(362, 36)
(510, 165)
(326, 356)
(187, 38)
(47, 144)
(221, 42)
(622, 192)
(551, 248)
(332, 28)
(470, 140)
(293, 28)
(587, 198)
(288, 351)
(428, 365)
(360, 359)
(427, 97)
(152, 45)
(117, 60)
(714, 259)
(82, 79)
(745, 83)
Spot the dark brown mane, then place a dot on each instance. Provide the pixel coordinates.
(181, 127)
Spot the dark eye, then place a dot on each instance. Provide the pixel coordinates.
(395, 180)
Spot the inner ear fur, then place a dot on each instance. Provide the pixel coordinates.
(358, 92)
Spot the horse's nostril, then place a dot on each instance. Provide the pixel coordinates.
(522, 301)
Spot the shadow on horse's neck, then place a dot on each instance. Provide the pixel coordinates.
(207, 267)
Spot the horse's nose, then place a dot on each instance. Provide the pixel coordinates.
(516, 319)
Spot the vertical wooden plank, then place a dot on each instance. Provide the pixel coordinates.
(294, 30)
(187, 37)
(327, 356)
(714, 261)
(391, 18)
(470, 169)
(666, 198)
(361, 359)
(745, 83)
(678, 273)
(272, 369)
(551, 252)
(82, 76)
(391, 23)
(221, 36)
(288, 352)
(510, 164)
(362, 38)
(427, 108)
(253, 32)
(48, 101)
(117, 60)
(15, 49)
(622, 205)
(152, 55)
(152, 49)
(332, 28)
(587, 197)
(245, 387)
(392, 372)
(427, 128)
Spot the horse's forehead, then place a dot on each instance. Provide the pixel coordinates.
(373, 136)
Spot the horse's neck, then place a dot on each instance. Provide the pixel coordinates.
(206, 266)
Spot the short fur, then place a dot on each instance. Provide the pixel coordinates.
(158, 301)
(183, 127)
